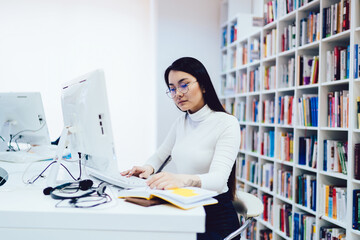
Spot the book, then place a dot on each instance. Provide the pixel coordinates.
(184, 198)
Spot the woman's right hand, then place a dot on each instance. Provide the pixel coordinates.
(139, 171)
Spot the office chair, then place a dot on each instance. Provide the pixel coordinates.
(248, 206)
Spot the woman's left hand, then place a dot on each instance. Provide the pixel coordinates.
(166, 180)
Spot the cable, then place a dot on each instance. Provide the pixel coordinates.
(2, 139)
(26, 130)
(38, 176)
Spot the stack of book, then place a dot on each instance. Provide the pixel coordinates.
(242, 138)
(305, 191)
(270, 12)
(224, 37)
(287, 74)
(268, 111)
(241, 166)
(267, 144)
(338, 63)
(308, 151)
(285, 218)
(267, 176)
(266, 234)
(336, 18)
(240, 111)
(285, 6)
(356, 61)
(286, 114)
(285, 184)
(250, 232)
(333, 201)
(304, 226)
(310, 28)
(243, 54)
(308, 110)
(338, 109)
(308, 70)
(286, 146)
(252, 171)
(335, 156)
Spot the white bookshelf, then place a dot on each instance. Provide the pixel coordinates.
(321, 131)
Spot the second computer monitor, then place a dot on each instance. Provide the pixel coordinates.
(22, 120)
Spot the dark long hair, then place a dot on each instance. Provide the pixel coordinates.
(195, 68)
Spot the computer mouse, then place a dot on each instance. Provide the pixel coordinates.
(3, 176)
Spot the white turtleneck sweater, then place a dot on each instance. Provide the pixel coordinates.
(205, 143)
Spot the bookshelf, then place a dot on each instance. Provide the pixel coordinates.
(263, 77)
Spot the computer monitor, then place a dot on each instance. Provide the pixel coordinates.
(22, 120)
(86, 111)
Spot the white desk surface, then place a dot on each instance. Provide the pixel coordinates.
(26, 213)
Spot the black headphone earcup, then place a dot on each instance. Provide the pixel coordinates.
(101, 189)
(48, 190)
(85, 184)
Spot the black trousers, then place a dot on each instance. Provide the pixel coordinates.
(221, 219)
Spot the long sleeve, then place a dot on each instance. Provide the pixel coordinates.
(164, 150)
(226, 150)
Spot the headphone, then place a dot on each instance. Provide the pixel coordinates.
(82, 185)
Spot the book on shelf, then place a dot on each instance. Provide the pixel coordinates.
(338, 63)
(242, 138)
(356, 209)
(184, 198)
(267, 144)
(358, 111)
(310, 28)
(243, 53)
(241, 167)
(241, 82)
(338, 109)
(333, 201)
(268, 111)
(224, 37)
(252, 171)
(357, 161)
(268, 202)
(308, 149)
(304, 226)
(269, 77)
(284, 212)
(250, 231)
(305, 191)
(254, 84)
(335, 156)
(240, 110)
(267, 176)
(288, 37)
(233, 59)
(287, 74)
(224, 62)
(308, 70)
(254, 49)
(265, 234)
(308, 110)
(332, 233)
(285, 184)
(286, 146)
(233, 32)
(356, 61)
(254, 140)
(286, 114)
(269, 44)
(254, 110)
(336, 18)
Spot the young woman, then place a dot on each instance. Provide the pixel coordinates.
(203, 144)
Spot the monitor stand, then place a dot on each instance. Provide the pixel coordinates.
(52, 178)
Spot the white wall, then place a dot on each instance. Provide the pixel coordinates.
(45, 43)
(184, 28)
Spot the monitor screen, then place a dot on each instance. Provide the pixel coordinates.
(22, 120)
(86, 111)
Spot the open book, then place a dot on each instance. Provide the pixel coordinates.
(184, 198)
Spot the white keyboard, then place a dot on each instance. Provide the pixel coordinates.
(118, 180)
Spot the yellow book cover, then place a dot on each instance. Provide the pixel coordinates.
(327, 200)
(184, 198)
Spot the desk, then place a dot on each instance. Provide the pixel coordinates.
(26, 213)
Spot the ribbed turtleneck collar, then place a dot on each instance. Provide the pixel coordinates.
(200, 115)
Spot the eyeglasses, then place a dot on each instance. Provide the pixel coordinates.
(183, 88)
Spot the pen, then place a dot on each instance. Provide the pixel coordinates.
(164, 164)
